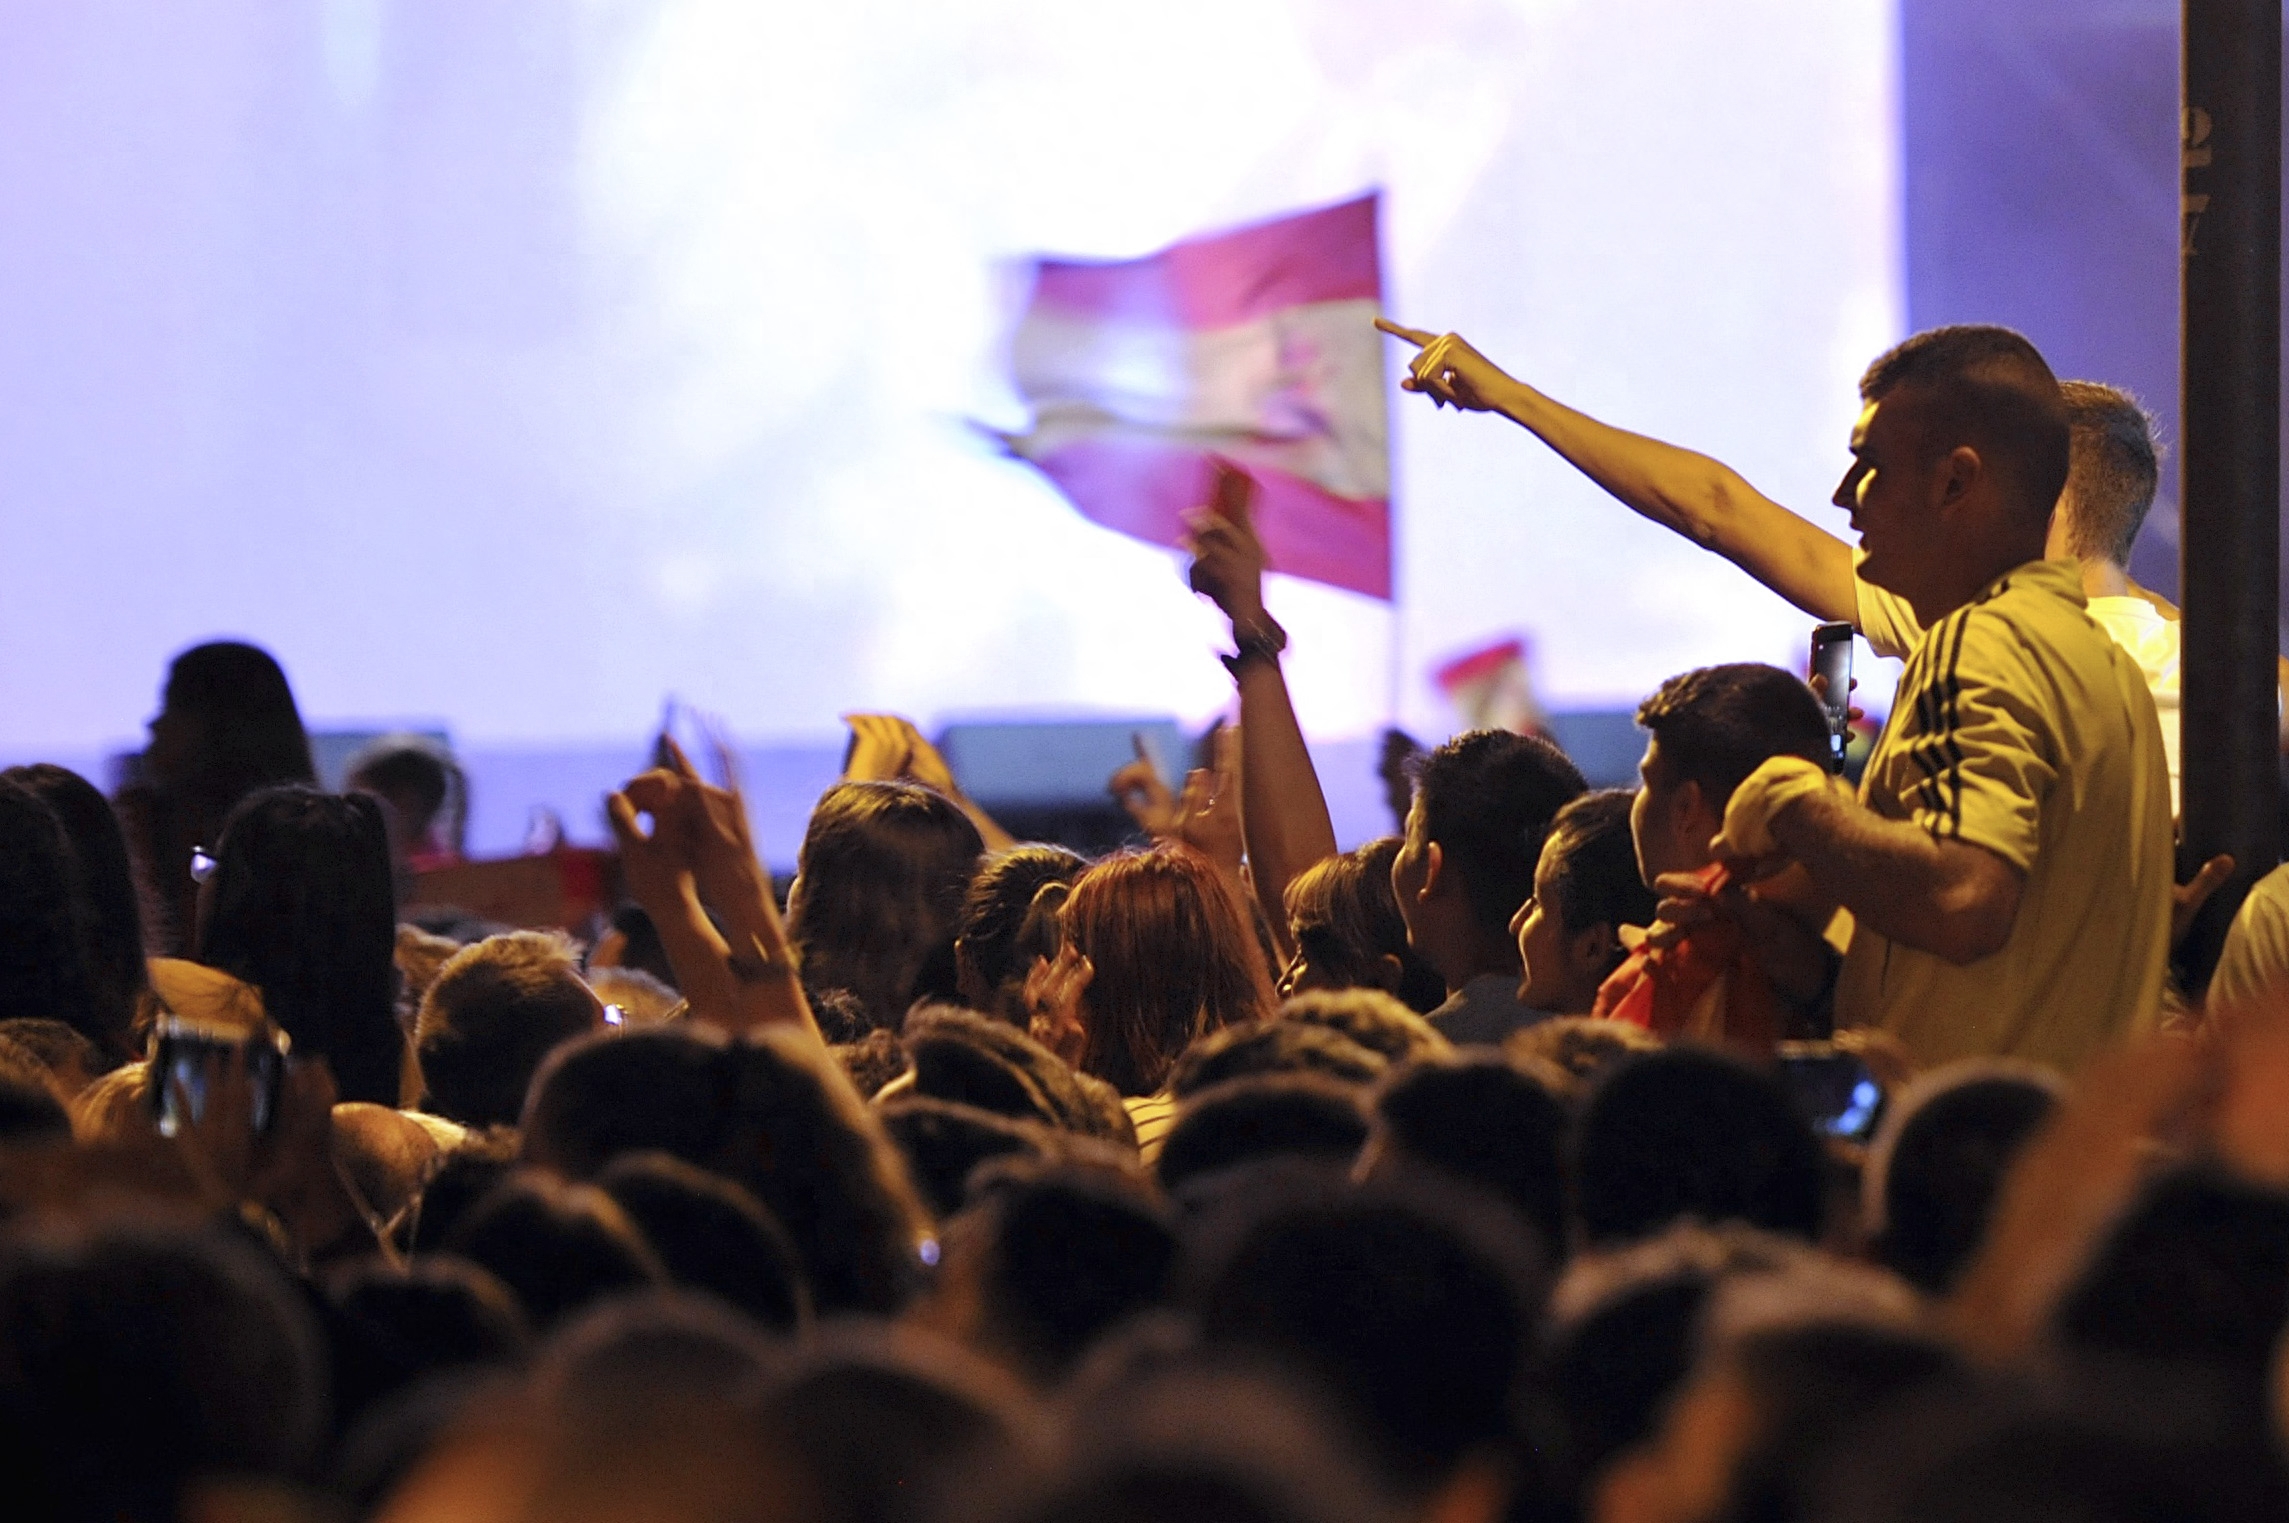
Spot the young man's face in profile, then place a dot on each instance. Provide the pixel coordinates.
(1884, 491)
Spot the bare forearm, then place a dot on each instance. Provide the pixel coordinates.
(757, 961)
(1285, 811)
(1954, 901)
(1705, 500)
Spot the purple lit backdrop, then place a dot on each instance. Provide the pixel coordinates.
(507, 366)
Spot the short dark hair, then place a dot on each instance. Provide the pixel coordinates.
(1487, 799)
(770, 1111)
(2115, 470)
(560, 1247)
(1377, 1021)
(1593, 865)
(944, 1140)
(1061, 1255)
(1717, 724)
(1415, 1309)
(391, 1325)
(893, 1426)
(216, 1353)
(1939, 1160)
(1488, 1123)
(1272, 1115)
(1271, 1047)
(712, 1237)
(1692, 1132)
(490, 1016)
(1989, 388)
(2196, 1273)
(977, 1060)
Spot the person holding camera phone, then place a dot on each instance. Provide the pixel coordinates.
(2009, 863)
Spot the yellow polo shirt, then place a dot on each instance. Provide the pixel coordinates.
(2020, 727)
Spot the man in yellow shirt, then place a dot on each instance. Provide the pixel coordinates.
(2009, 864)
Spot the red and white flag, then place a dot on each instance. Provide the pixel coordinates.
(1257, 346)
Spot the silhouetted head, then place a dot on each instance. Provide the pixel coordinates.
(113, 903)
(1008, 920)
(301, 907)
(1344, 920)
(491, 1015)
(1690, 1132)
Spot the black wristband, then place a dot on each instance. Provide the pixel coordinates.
(1257, 642)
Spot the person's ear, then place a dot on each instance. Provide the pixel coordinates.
(1387, 973)
(1434, 864)
(1959, 475)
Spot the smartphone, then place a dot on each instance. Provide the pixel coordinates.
(188, 1060)
(1832, 1089)
(1832, 664)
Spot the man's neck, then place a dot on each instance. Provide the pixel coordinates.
(1478, 956)
(2101, 578)
(1979, 572)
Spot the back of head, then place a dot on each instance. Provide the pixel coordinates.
(135, 1359)
(1416, 1312)
(391, 1325)
(1593, 865)
(943, 1141)
(1174, 959)
(1485, 1122)
(1717, 724)
(114, 904)
(1060, 1256)
(464, 1176)
(1372, 1019)
(1579, 1046)
(2197, 1274)
(1694, 1133)
(998, 933)
(1272, 1047)
(303, 909)
(236, 727)
(711, 1236)
(894, 1425)
(1989, 389)
(1487, 800)
(1252, 1120)
(2114, 472)
(31, 1107)
(423, 787)
(44, 972)
(883, 870)
(769, 1112)
(1346, 920)
(560, 1247)
(1940, 1158)
(494, 1011)
(963, 1056)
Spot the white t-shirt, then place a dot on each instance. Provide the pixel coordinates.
(1889, 626)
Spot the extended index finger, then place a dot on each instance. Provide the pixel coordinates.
(1415, 336)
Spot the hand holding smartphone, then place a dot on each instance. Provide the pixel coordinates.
(1832, 683)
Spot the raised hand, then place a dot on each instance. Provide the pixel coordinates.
(1447, 370)
(879, 748)
(1227, 557)
(1053, 991)
(1144, 793)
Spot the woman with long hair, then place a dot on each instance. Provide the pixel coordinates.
(878, 889)
(1158, 953)
(119, 978)
(1344, 922)
(299, 906)
(227, 725)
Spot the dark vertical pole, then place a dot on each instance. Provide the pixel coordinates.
(2230, 308)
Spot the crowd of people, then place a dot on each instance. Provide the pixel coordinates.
(1744, 1147)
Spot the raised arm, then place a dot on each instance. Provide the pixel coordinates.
(1281, 804)
(1703, 499)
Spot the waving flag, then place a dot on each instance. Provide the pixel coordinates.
(1256, 345)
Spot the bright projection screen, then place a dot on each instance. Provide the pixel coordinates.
(512, 365)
